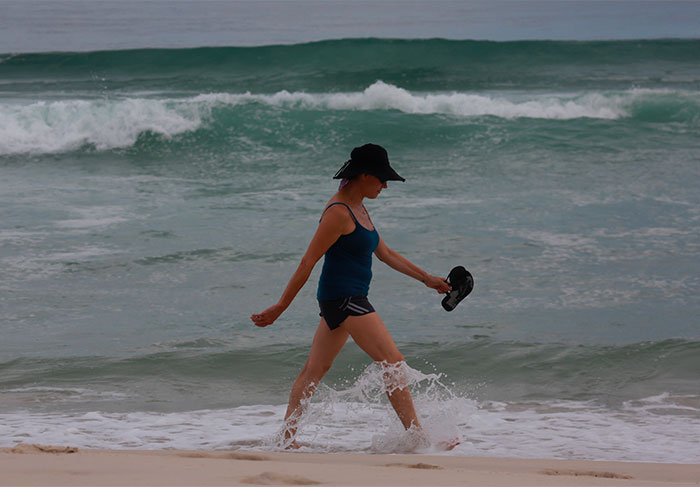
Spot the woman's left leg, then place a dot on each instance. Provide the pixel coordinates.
(325, 348)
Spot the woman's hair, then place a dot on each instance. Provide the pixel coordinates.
(343, 182)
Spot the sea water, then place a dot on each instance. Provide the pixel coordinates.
(151, 200)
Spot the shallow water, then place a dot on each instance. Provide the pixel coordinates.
(151, 200)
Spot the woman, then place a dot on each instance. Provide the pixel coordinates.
(348, 238)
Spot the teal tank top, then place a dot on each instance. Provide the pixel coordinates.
(347, 265)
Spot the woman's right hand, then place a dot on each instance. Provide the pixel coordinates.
(268, 316)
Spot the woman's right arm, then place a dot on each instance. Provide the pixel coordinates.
(333, 224)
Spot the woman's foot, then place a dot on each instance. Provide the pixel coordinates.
(292, 446)
(449, 444)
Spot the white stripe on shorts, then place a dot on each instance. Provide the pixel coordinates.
(356, 308)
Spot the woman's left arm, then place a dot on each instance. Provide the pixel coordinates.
(397, 261)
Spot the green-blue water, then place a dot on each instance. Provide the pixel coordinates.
(152, 199)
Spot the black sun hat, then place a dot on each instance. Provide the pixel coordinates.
(368, 159)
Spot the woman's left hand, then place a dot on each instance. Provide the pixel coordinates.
(437, 283)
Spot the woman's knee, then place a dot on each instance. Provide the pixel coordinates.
(391, 357)
(394, 358)
(314, 371)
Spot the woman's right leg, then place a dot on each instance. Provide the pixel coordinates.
(325, 347)
(372, 336)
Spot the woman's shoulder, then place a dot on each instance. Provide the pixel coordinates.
(337, 210)
(336, 207)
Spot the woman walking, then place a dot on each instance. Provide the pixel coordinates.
(347, 237)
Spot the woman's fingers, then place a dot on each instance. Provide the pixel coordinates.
(442, 286)
(267, 317)
(439, 284)
(261, 322)
(261, 319)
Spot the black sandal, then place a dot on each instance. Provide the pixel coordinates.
(462, 284)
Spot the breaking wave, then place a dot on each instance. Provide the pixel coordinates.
(104, 124)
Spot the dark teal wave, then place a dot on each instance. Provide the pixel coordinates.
(350, 64)
(522, 371)
(488, 369)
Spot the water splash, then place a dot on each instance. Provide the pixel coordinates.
(353, 408)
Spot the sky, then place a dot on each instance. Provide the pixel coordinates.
(79, 25)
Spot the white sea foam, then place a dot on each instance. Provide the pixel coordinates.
(94, 217)
(659, 429)
(43, 265)
(358, 419)
(59, 126)
(19, 237)
(384, 96)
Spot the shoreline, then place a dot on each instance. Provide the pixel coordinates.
(48, 465)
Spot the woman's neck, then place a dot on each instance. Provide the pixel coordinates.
(351, 194)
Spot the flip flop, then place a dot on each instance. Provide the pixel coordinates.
(462, 284)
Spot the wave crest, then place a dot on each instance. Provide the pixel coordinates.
(384, 96)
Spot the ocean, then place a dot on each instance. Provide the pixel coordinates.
(153, 198)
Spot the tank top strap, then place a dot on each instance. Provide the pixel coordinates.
(346, 206)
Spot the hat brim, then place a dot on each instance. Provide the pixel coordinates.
(387, 175)
(348, 171)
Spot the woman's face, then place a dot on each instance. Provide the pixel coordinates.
(373, 185)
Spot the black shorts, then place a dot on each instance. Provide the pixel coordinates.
(335, 312)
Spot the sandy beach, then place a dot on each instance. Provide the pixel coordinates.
(47, 465)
